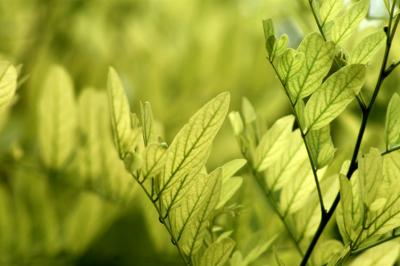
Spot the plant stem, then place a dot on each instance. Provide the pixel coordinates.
(375, 244)
(321, 30)
(164, 222)
(383, 74)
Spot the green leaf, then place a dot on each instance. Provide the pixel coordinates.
(289, 65)
(321, 147)
(333, 96)
(348, 217)
(318, 61)
(153, 160)
(57, 119)
(268, 27)
(190, 148)
(326, 251)
(329, 10)
(392, 125)
(196, 225)
(276, 47)
(125, 126)
(287, 163)
(367, 48)
(382, 255)
(236, 122)
(217, 254)
(249, 114)
(296, 193)
(149, 134)
(271, 143)
(230, 183)
(8, 83)
(345, 25)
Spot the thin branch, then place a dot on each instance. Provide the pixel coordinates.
(390, 150)
(353, 164)
(164, 222)
(314, 12)
(357, 251)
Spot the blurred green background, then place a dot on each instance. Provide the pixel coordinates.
(176, 54)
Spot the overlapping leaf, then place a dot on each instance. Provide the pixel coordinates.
(333, 96)
(190, 148)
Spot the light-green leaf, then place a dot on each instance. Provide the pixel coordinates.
(57, 119)
(271, 143)
(190, 148)
(318, 60)
(367, 48)
(333, 96)
(193, 233)
(8, 83)
(329, 10)
(345, 25)
(392, 125)
(382, 255)
(125, 126)
(321, 146)
(217, 254)
(289, 65)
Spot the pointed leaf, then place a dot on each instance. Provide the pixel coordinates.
(367, 48)
(330, 100)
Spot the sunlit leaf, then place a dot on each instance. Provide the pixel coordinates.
(333, 96)
(125, 127)
(367, 48)
(392, 126)
(318, 60)
(217, 254)
(345, 25)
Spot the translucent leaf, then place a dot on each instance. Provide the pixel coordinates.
(230, 168)
(190, 148)
(326, 251)
(295, 194)
(381, 255)
(289, 65)
(318, 60)
(147, 123)
(268, 27)
(217, 254)
(125, 128)
(249, 114)
(258, 250)
(193, 233)
(229, 188)
(367, 48)
(321, 146)
(333, 96)
(236, 122)
(346, 218)
(153, 160)
(8, 83)
(329, 10)
(57, 119)
(392, 125)
(345, 25)
(271, 143)
(287, 163)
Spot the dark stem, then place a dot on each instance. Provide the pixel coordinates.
(353, 164)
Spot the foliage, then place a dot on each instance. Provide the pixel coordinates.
(90, 175)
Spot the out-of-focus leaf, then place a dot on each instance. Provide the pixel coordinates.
(392, 126)
(57, 117)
